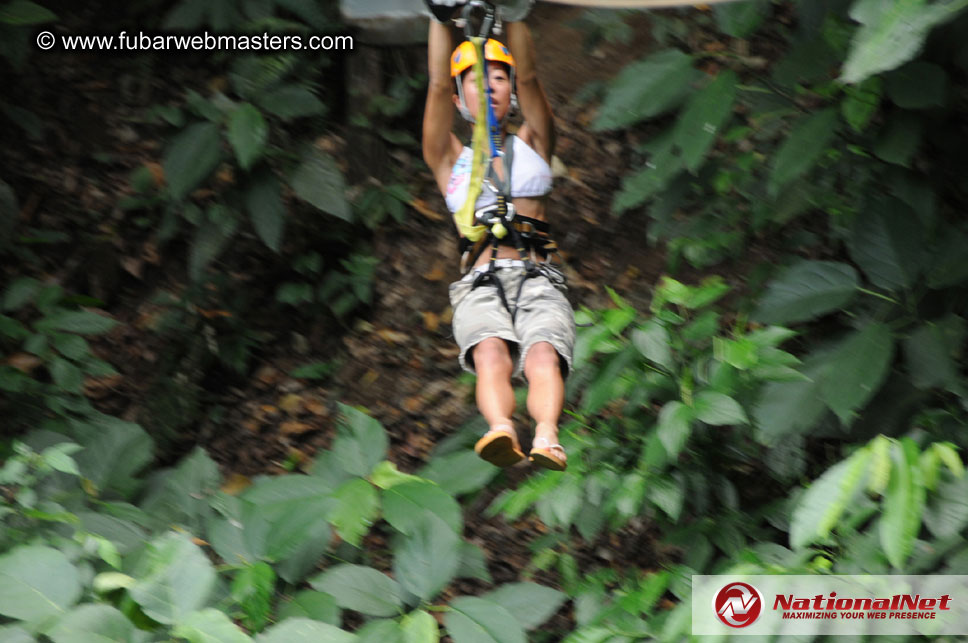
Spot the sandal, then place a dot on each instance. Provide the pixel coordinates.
(499, 446)
(544, 454)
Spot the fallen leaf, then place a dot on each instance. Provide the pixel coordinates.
(437, 273)
(235, 484)
(157, 172)
(393, 336)
(316, 407)
(132, 266)
(293, 427)
(431, 321)
(24, 362)
(413, 404)
(267, 375)
(421, 206)
(370, 377)
(98, 387)
(291, 404)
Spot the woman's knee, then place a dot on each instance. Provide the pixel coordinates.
(542, 357)
(491, 353)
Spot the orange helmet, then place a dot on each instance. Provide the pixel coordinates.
(466, 55)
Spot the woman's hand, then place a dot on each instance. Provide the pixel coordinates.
(514, 10)
(444, 10)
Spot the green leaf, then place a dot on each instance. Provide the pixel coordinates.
(72, 346)
(703, 117)
(310, 604)
(175, 578)
(362, 442)
(948, 454)
(948, 267)
(802, 148)
(932, 353)
(78, 321)
(357, 506)
(360, 588)
(419, 627)
(674, 427)
(739, 353)
(37, 582)
(263, 200)
(668, 495)
(663, 165)
(900, 139)
(903, 505)
(386, 475)
(645, 89)
(291, 101)
(211, 237)
(821, 506)
(319, 182)
(886, 243)
(807, 290)
(58, 457)
(427, 560)
(652, 340)
(209, 626)
(91, 623)
(530, 603)
(380, 631)
(404, 504)
(21, 292)
(303, 630)
(476, 620)
(918, 85)
(65, 375)
(880, 471)
(740, 19)
(459, 473)
(114, 452)
(856, 369)
(473, 563)
(25, 13)
(946, 516)
(718, 409)
(252, 589)
(191, 157)
(248, 134)
(892, 33)
(861, 103)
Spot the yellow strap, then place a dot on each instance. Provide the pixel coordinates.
(464, 217)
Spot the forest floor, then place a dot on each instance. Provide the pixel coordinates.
(400, 361)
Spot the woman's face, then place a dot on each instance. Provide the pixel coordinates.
(500, 84)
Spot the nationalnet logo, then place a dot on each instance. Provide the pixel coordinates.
(858, 605)
(738, 604)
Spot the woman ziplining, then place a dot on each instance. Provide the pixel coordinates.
(510, 313)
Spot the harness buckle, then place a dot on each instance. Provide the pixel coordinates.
(490, 215)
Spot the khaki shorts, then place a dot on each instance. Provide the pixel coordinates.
(543, 314)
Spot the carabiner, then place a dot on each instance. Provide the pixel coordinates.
(486, 23)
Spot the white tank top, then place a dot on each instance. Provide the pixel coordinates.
(530, 177)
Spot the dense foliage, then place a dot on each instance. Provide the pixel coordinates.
(804, 415)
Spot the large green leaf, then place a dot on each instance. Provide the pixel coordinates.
(248, 134)
(792, 407)
(918, 85)
(175, 578)
(861, 103)
(460, 472)
(667, 494)
(263, 200)
(24, 13)
(704, 115)
(892, 33)
(645, 89)
(37, 582)
(419, 627)
(947, 513)
(900, 139)
(253, 588)
(886, 242)
(356, 507)
(209, 626)
(362, 442)
(360, 588)
(380, 631)
(319, 182)
(404, 504)
(855, 370)
(180, 495)
(211, 238)
(903, 504)
(191, 157)
(291, 101)
(303, 630)
(674, 427)
(718, 409)
(652, 340)
(427, 559)
(311, 604)
(932, 352)
(476, 620)
(806, 290)
(92, 623)
(947, 260)
(824, 502)
(530, 603)
(803, 148)
(740, 19)
(78, 321)
(662, 167)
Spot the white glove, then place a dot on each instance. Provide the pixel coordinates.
(513, 10)
(444, 10)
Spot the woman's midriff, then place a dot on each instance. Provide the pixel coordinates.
(526, 207)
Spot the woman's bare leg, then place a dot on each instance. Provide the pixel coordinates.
(495, 395)
(546, 390)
